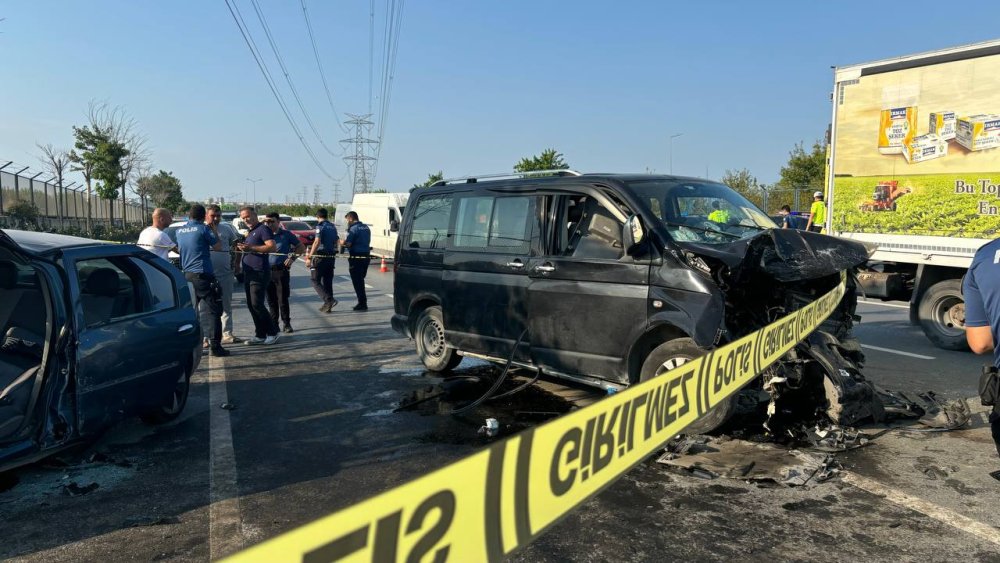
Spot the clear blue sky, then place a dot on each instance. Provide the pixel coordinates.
(478, 84)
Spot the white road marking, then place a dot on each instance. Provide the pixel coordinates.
(939, 513)
(884, 304)
(900, 352)
(389, 295)
(225, 524)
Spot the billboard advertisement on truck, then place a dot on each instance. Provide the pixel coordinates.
(914, 171)
(918, 151)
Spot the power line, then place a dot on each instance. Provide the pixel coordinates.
(288, 78)
(241, 24)
(394, 23)
(371, 52)
(319, 65)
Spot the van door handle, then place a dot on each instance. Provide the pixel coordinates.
(516, 264)
(184, 329)
(546, 268)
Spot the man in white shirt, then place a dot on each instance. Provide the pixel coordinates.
(153, 238)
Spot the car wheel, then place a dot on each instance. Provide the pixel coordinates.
(676, 353)
(174, 405)
(942, 315)
(431, 346)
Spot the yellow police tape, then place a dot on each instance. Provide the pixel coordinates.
(495, 501)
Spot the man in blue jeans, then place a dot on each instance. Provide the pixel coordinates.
(195, 243)
(981, 290)
(358, 243)
(257, 275)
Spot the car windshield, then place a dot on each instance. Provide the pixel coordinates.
(295, 226)
(701, 211)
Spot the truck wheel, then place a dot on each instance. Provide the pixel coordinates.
(675, 353)
(172, 407)
(942, 315)
(431, 347)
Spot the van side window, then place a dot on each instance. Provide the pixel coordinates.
(592, 230)
(472, 224)
(502, 224)
(510, 228)
(430, 222)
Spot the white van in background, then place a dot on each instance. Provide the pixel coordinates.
(337, 217)
(382, 213)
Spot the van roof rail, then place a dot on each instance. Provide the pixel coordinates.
(474, 179)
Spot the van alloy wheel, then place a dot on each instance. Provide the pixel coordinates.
(432, 347)
(673, 354)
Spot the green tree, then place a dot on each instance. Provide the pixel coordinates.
(431, 180)
(746, 184)
(24, 214)
(165, 191)
(109, 158)
(804, 169)
(550, 159)
(85, 158)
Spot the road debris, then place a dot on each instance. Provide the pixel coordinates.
(227, 406)
(712, 457)
(491, 428)
(74, 490)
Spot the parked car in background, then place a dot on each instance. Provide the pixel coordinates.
(308, 220)
(92, 333)
(301, 230)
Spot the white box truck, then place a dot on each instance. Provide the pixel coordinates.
(382, 212)
(914, 168)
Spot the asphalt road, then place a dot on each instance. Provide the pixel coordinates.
(312, 430)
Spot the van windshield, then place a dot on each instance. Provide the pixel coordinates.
(701, 211)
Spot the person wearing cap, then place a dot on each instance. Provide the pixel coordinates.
(288, 247)
(817, 214)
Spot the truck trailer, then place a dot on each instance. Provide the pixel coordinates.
(914, 169)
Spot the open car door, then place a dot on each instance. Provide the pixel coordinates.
(30, 313)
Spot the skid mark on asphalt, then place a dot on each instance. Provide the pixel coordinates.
(899, 352)
(225, 525)
(939, 513)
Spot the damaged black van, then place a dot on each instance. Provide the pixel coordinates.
(602, 279)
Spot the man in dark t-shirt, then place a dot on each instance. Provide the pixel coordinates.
(257, 275)
(981, 291)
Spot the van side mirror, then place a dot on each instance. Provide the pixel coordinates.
(394, 226)
(633, 235)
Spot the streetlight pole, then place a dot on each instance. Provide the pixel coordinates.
(254, 188)
(672, 137)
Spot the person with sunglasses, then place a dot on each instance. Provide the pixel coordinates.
(289, 247)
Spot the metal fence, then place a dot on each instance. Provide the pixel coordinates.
(60, 207)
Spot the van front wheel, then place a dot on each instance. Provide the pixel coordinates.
(673, 354)
(431, 346)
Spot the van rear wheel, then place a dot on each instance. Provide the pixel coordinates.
(434, 352)
(673, 354)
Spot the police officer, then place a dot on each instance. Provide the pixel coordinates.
(320, 257)
(817, 214)
(358, 243)
(981, 290)
(195, 241)
(288, 247)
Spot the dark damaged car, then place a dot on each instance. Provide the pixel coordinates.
(610, 280)
(92, 333)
